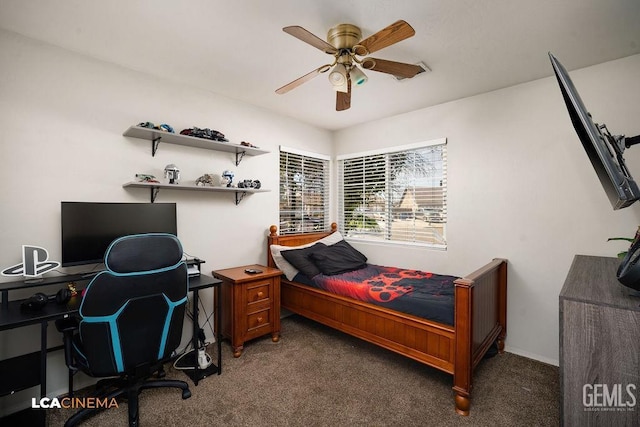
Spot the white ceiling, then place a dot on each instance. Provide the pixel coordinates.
(237, 47)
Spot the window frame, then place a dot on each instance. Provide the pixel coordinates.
(298, 213)
(390, 211)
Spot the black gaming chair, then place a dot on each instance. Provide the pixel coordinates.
(130, 320)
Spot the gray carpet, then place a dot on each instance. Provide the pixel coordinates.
(316, 376)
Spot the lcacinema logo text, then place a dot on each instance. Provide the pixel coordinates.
(74, 403)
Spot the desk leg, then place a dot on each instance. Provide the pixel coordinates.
(195, 337)
(43, 358)
(218, 299)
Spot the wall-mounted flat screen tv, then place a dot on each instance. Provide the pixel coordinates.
(604, 150)
(89, 227)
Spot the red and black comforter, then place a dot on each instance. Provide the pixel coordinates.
(419, 293)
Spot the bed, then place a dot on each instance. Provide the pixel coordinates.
(479, 317)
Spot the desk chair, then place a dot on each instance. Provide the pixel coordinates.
(130, 320)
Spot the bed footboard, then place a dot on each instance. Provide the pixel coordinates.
(427, 342)
(481, 320)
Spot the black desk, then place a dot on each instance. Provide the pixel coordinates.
(11, 316)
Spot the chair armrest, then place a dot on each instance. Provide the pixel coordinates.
(67, 325)
(68, 328)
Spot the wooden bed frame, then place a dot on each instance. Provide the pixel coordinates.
(480, 319)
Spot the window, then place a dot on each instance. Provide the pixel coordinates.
(395, 195)
(304, 191)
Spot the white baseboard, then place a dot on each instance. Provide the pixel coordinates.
(533, 356)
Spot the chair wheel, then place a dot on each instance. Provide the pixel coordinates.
(186, 394)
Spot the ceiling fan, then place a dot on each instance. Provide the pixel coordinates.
(345, 44)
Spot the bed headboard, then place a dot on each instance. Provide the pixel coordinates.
(293, 239)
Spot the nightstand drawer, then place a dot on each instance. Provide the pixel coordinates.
(259, 292)
(258, 320)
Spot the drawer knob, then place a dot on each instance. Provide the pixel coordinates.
(260, 294)
(259, 319)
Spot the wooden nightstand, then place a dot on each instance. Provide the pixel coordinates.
(251, 304)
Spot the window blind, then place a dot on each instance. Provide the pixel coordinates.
(304, 192)
(395, 196)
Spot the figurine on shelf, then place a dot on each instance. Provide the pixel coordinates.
(172, 173)
(163, 127)
(205, 133)
(227, 178)
(72, 288)
(143, 177)
(205, 180)
(247, 183)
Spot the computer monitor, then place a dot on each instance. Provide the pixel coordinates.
(89, 227)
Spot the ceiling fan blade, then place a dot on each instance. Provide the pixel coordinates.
(394, 33)
(307, 37)
(297, 82)
(399, 69)
(343, 99)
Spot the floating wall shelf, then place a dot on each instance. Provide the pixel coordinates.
(154, 189)
(156, 136)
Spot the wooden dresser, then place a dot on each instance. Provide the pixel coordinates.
(599, 346)
(251, 304)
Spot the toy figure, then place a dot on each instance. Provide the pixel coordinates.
(172, 172)
(143, 177)
(227, 178)
(204, 180)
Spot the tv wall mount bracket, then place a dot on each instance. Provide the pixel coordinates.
(618, 142)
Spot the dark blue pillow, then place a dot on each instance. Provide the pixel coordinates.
(338, 258)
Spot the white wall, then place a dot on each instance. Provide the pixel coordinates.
(62, 116)
(520, 187)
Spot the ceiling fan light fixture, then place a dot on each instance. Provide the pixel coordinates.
(357, 76)
(338, 77)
